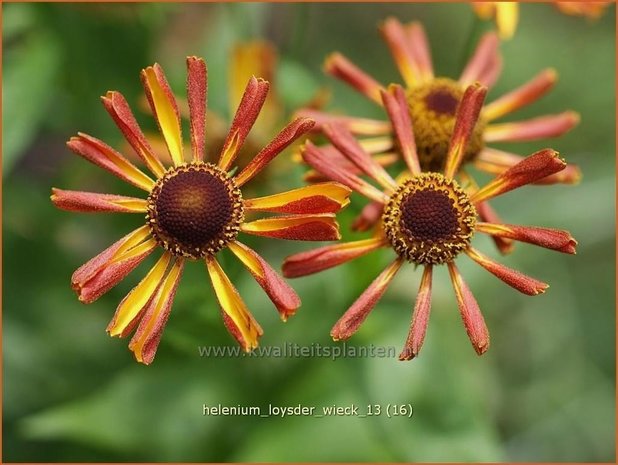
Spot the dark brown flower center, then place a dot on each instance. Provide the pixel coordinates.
(433, 107)
(195, 210)
(429, 219)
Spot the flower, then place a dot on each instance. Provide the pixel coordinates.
(506, 15)
(193, 210)
(432, 102)
(591, 10)
(428, 218)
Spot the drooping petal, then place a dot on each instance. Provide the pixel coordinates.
(513, 278)
(532, 129)
(396, 106)
(121, 113)
(484, 56)
(197, 97)
(287, 136)
(323, 258)
(470, 313)
(397, 40)
(93, 202)
(359, 126)
(316, 227)
(369, 217)
(527, 93)
(466, 117)
(102, 155)
(349, 323)
(146, 339)
(246, 114)
(282, 295)
(326, 197)
(238, 320)
(488, 214)
(420, 318)
(133, 305)
(165, 109)
(108, 268)
(340, 67)
(318, 158)
(533, 168)
(345, 142)
(554, 239)
(419, 46)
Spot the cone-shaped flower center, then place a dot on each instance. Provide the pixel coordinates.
(195, 210)
(432, 109)
(429, 219)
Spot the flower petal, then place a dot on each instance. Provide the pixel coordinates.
(349, 323)
(420, 318)
(369, 216)
(466, 118)
(419, 47)
(326, 197)
(165, 109)
(287, 136)
(323, 258)
(485, 55)
(470, 313)
(507, 16)
(319, 159)
(513, 278)
(237, 318)
(317, 227)
(119, 109)
(554, 239)
(529, 92)
(133, 305)
(93, 279)
(359, 126)
(532, 129)
(102, 155)
(530, 169)
(396, 38)
(93, 202)
(487, 214)
(197, 97)
(146, 339)
(281, 294)
(396, 106)
(345, 142)
(246, 114)
(340, 67)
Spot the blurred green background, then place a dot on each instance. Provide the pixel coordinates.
(545, 391)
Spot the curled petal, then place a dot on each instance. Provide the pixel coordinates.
(165, 109)
(317, 227)
(102, 155)
(522, 96)
(359, 126)
(420, 318)
(237, 318)
(146, 339)
(533, 168)
(326, 197)
(119, 109)
(92, 202)
(485, 55)
(133, 305)
(340, 67)
(289, 134)
(554, 239)
(369, 217)
(319, 159)
(323, 258)
(101, 273)
(197, 94)
(515, 279)
(419, 47)
(281, 294)
(465, 120)
(470, 313)
(246, 114)
(487, 214)
(532, 129)
(349, 323)
(396, 38)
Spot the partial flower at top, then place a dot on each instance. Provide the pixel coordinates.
(592, 10)
(193, 210)
(432, 103)
(428, 218)
(506, 15)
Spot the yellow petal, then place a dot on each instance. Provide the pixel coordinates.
(318, 198)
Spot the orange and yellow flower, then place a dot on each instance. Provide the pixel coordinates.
(193, 210)
(427, 218)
